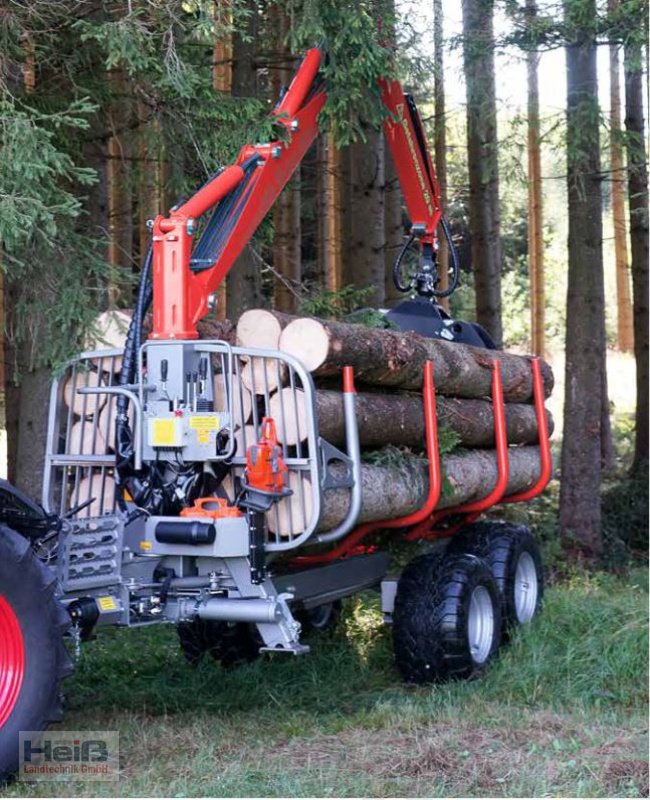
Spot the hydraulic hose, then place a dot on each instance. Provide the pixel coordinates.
(123, 433)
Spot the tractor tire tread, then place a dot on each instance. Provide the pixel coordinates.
(44, 622)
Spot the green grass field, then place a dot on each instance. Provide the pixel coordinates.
(562, 712)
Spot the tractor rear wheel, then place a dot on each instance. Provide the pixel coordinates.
(447, 618)
(33, 656)
(513, 556)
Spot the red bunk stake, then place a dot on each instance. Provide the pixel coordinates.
(545, 460)
(472, 510)
(501, 439)
(435, 484)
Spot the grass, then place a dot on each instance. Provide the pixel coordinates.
(562, 712)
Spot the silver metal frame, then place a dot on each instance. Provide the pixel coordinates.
(306, 459)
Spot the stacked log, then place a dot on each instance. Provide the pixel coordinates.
(388, 367)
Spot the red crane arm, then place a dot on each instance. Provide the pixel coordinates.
(242, 194)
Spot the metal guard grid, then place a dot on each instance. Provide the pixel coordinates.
(80, 462)
(423, 524)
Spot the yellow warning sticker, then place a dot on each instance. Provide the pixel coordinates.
(107, 603)
(204, 425)
(165, 433)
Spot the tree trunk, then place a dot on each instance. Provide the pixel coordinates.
(467, 476)
(580, 514)
(222, 82)
(119, 194)
(366, 247)
(244, 289)
(638, 203)
(482, 161)
(624, 321)
(398, 419)
(150, 200)
(440, 138)
(331, 221)
(32, 431)
(286, 211)
(535, 201)
(391, 358)
(286, 246)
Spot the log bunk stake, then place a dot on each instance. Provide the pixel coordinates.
(424, 523)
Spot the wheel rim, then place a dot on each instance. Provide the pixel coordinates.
(320, 616)
(526, 588)
(12, 660)
(480, 625)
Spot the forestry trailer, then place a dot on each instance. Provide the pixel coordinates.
(182, 519)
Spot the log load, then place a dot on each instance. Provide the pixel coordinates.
(399, 419)
(261, 329)
(393, 490)
(262, 375)
(383, 357)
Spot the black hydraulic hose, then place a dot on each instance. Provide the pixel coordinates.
(455, 264)
(397, 268)
(123, 433)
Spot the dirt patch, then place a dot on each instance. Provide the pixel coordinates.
(468, 759)
(623, 774)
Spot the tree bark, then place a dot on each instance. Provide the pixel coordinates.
(398, 419)
(393, 227)
(331, 214)
(624, 321)
(32, 431)
(440, 138)
(286, 210)
(535, 201)
(467, 476)
(222, 82)
(638, 204)
(365, 250)
(243, 289)
(482, 143)
(580, 514)
(119, 191)
(391, 358)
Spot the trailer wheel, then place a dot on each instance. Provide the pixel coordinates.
(447, 618)
(231, 644)
(320, 619)
(33, 656)
(512, 553)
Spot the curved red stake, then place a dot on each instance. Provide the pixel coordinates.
(501, 440)
(545, 460)
(473, 509)
(435, 484)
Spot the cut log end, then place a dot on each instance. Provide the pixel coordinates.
(262, 376)
(288, 409)
(259, 328)
(242, 401)
(307, 340)
(84, 405)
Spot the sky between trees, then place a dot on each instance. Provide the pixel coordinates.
(510, 64)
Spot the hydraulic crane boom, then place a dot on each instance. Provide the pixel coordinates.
(186, 273)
